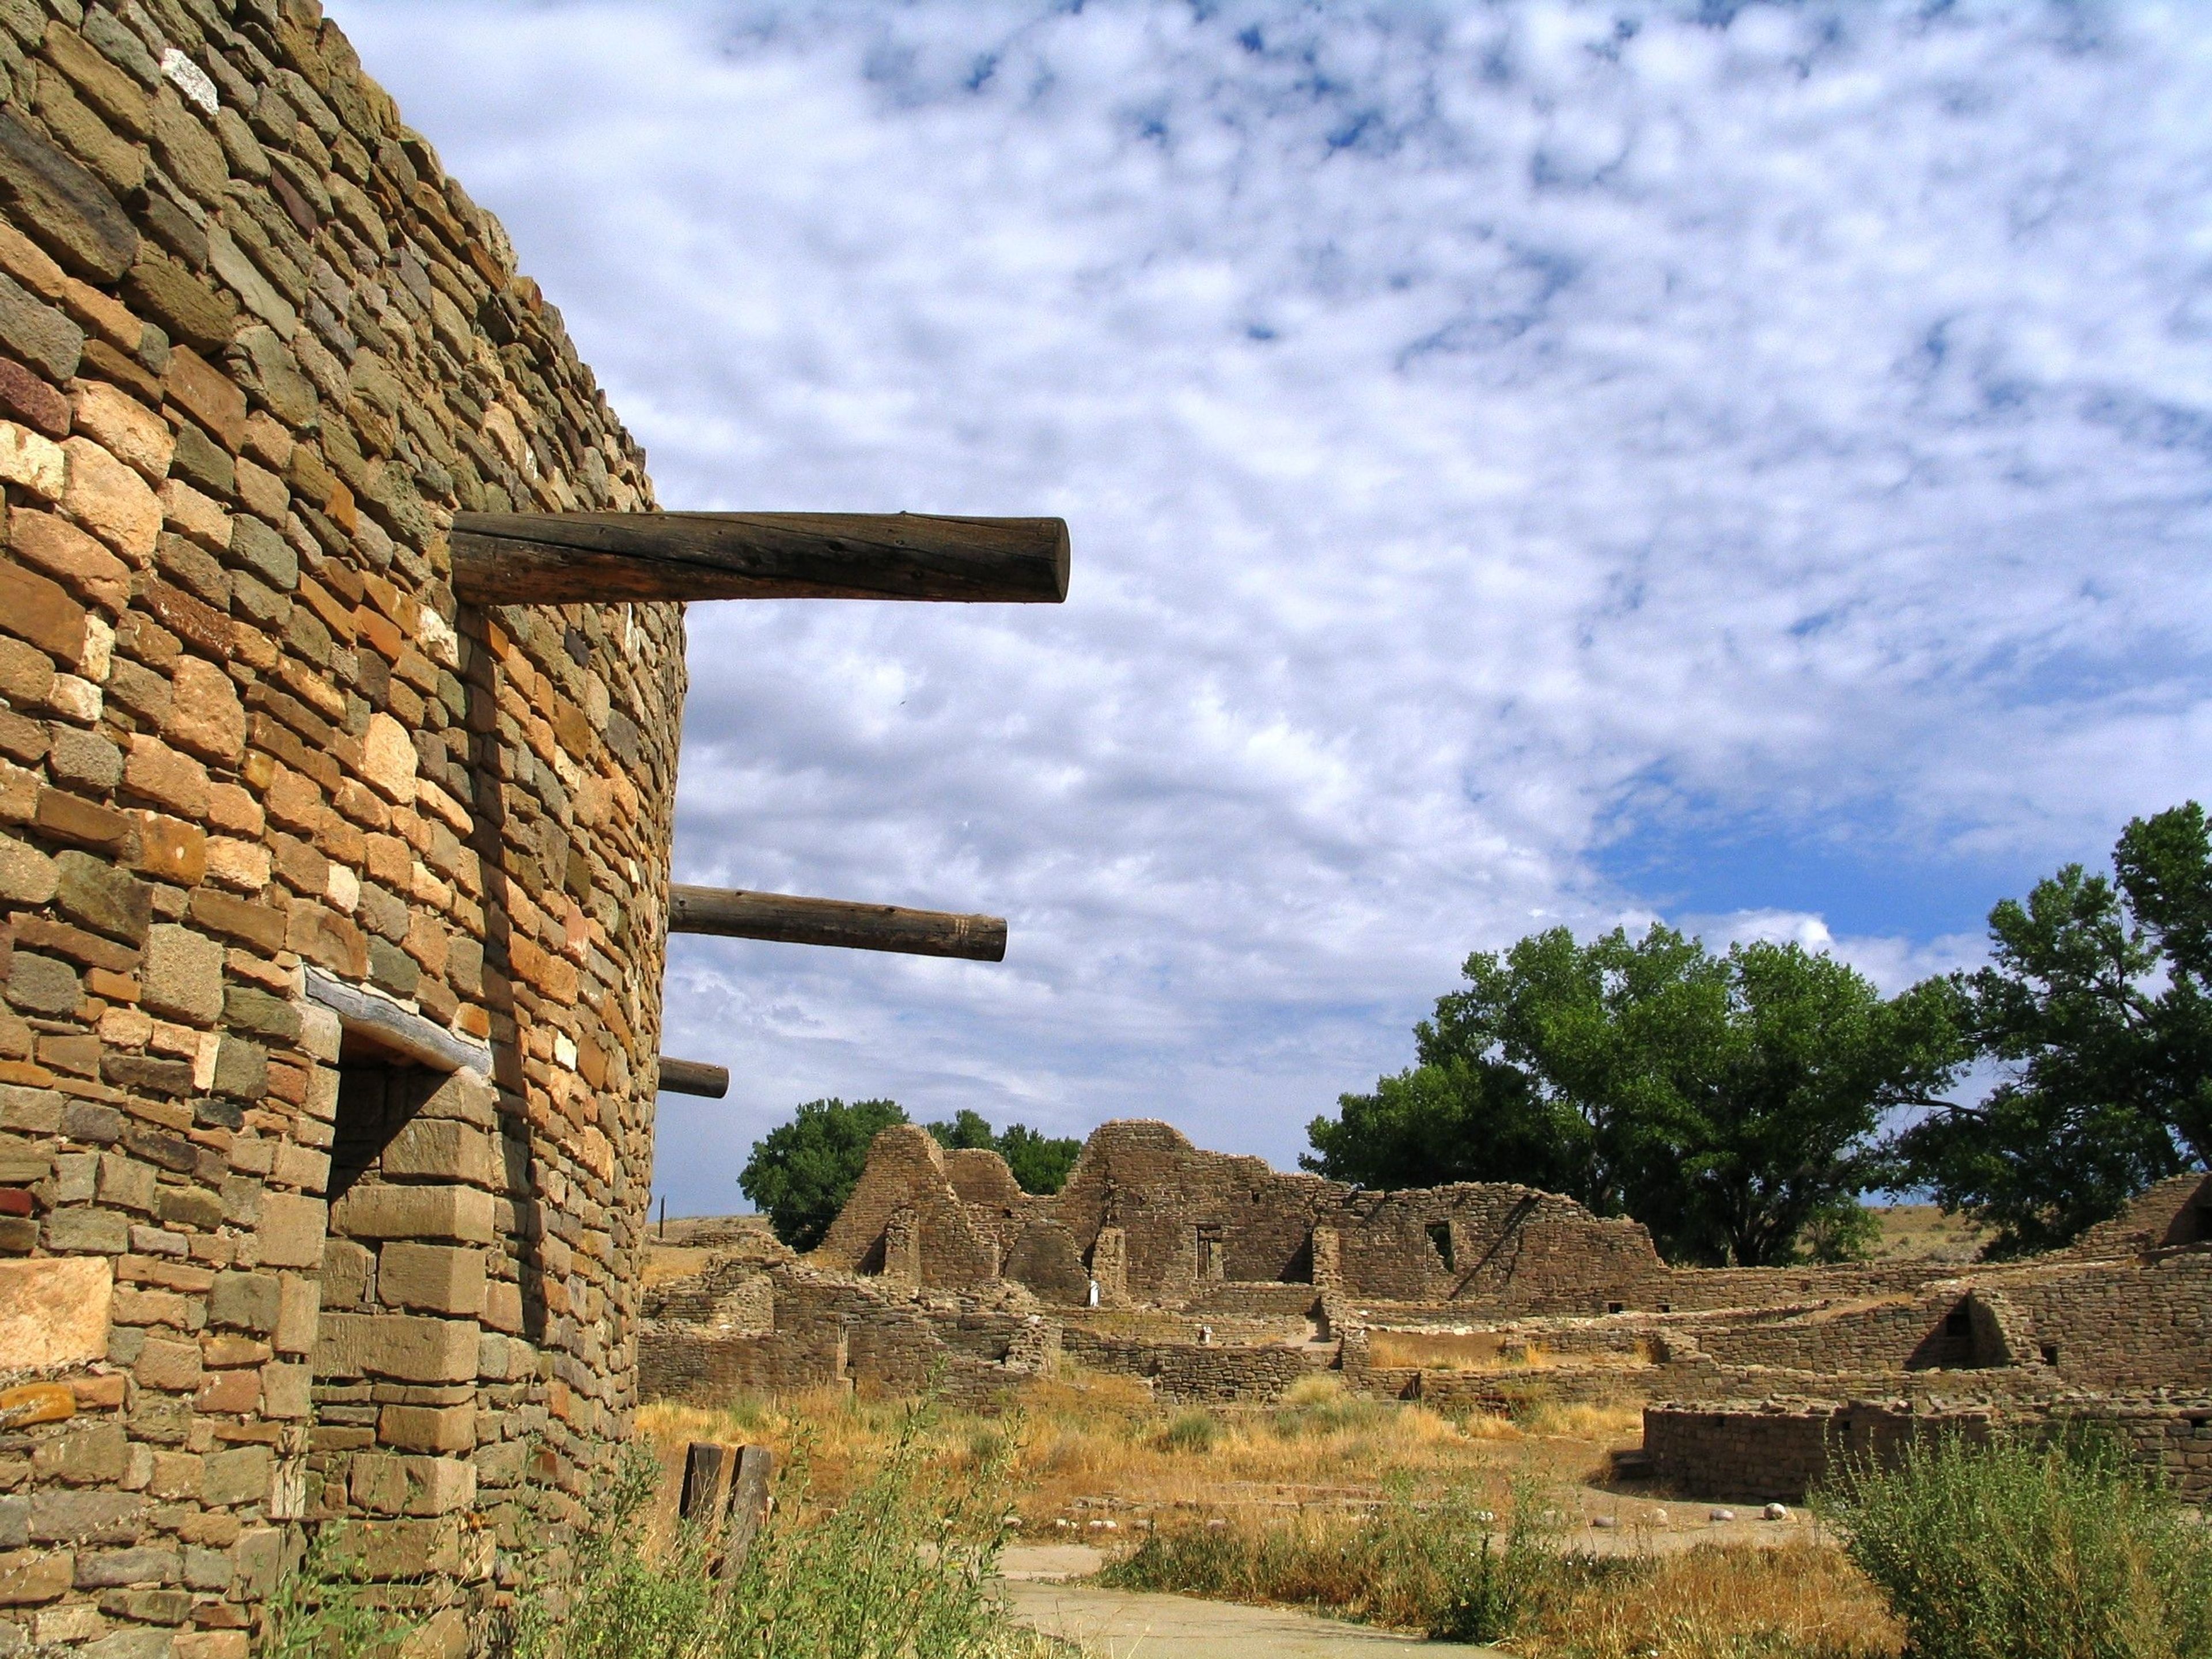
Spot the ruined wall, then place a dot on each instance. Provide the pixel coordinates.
(1778, 1450)
(905, 1221)
(262, 773)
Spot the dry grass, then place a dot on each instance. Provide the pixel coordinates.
(1805, 1602)
(1483, 1352)
(1921, 1233)
(1088, 1446)
(668, 1262)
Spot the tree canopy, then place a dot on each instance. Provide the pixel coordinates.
(800, 1173)
(2098, 1006)
(1730, 1103)
(1039, 1163)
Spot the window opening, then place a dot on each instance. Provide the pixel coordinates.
(1440, 1236)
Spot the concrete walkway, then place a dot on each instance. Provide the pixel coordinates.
(1131, 1624)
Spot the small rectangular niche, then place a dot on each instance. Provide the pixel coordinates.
(1440, 1241)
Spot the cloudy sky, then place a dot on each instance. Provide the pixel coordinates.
(1739, 464)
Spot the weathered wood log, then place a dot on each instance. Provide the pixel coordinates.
(785, 920)
(692, 1077)
(749, 1505)
(559, 558)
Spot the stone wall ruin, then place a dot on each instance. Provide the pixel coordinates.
(328, 1056)
(1221, 1282)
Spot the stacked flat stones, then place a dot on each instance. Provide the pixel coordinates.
(256, 349)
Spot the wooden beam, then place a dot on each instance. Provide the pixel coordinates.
(785, 920)
(692, 1077)
(561, 558)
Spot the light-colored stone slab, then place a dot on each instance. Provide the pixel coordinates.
(54, 1312)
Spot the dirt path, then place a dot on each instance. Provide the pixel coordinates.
(1126, 1625)
(1129, 1625)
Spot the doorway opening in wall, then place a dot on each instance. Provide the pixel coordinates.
(1212, 1267)
(1440, 1238)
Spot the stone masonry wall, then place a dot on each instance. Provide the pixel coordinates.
(1776, 1449)
(256, 349)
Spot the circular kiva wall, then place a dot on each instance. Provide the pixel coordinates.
(333, 952)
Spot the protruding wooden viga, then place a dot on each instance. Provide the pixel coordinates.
(786, 920)
(560, 558)
(692, 1077)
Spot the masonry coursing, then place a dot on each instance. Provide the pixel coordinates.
(258, 767)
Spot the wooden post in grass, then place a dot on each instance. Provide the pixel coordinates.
(749, 1505)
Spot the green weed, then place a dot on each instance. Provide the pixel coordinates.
(2028, 1549)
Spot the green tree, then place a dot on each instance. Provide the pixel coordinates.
(800, 1173)
(1039, 1163)
(2098, 1005)
(1730, 1102)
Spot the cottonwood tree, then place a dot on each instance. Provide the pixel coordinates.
(2098, 1005)
(800, 1173)
(1039, 1163)
(1730, 1103)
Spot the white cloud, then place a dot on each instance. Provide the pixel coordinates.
(1486, 433)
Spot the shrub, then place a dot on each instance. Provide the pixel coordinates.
(901, 1567)
(1447, 1567)
(1194, 1431)
(2027, 1549)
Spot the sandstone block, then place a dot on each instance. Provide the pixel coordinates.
(327, 938)
(388, 759)
(502, 1307)
(94, 893)
(210, 397)
(55, 1311)
(463, 1214)
(168, 777)
(96, 1453)
(205, 716)
(404, 1347)
(206, 522)
(427, 1428)
(126, 427)
(111, 500)
(27, 875)
(297, 1314)
(241, 1476)
(87, 1230)
(291, 1232)
(437, 1149)
(67, 210)
(41, 985)
(87, 823)
(38, 464)
(30, 1576)
(30, 399)
(67, 554)
(244, 1301)
(35, 609)
(378, 1485)
(38, 333)
(286, 1391)
(432, 1278)
(85, 1517)
(182, 974)
(119, 1569)
(440, 1485)
(169, 1365)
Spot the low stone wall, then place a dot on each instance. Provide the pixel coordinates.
(1197, 1373)
(1778, 1450)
